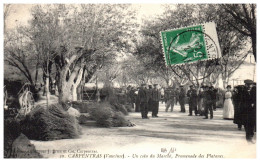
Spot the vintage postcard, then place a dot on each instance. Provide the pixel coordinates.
(129, 80)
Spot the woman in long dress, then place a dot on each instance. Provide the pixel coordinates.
(228, 111)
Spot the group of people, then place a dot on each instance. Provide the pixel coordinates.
(149, 100)
(240, 106)
(201, 102)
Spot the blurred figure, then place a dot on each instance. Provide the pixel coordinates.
(201, 102)
(214, 97)
(228, 110)
(137, 100)
(162, 94)
(98, 96)
(143, 97)
(156, 95)
(170, 98)
(177, 93)
(149, 94)
(132, 96)
(207, 102)
(192, 94)
(182, 96)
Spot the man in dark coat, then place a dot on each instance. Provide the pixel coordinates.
(143, 97)
(207, 102)
(182, 95)
(192, 95)
(249, 109)
(156, 96)
(214, 97)
(237, 101)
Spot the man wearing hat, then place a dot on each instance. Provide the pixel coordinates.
(182, 95)
(249, 109)
(156, 95)
(192, 94)
(143, 98)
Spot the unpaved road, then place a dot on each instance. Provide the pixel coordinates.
(173, 133)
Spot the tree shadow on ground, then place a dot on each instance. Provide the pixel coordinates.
(188, 129)
(185, 135)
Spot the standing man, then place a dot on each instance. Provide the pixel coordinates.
(156, 96)
(249, 109)
(214, 97)
(182, 99)
(237, 101)
(207, 102)
(192, 94)
(170, 99)
(143, 98)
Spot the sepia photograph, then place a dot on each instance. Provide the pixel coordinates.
(129, 80)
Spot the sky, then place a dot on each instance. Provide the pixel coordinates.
(20, 13)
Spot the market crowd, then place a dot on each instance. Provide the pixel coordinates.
(239, 103)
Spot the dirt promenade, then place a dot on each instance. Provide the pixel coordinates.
(172, 135)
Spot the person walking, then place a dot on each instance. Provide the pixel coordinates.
(228, 111)
(143, 97)
(207, 102)
(170, 99)
(182, 96)
(192, 94)
(156, 95)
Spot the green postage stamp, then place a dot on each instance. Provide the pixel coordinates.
(190, 44)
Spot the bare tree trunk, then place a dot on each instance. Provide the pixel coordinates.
(47, 90)
(68, 91)
(65, 95)
(253, 38)
(76, 84)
